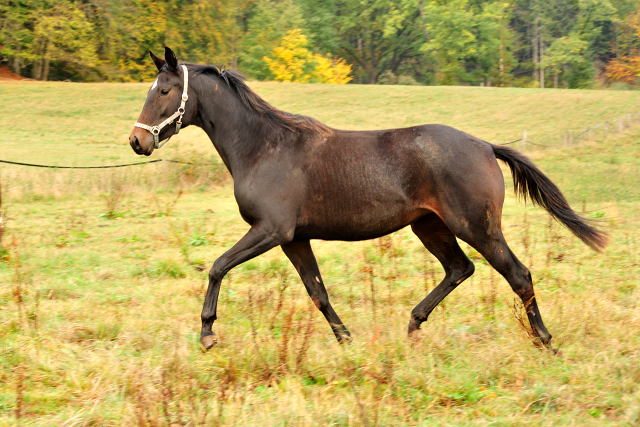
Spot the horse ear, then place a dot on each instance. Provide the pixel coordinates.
(158, 61)
(171, 59)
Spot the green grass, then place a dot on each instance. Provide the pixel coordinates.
(104, 273)
(89, 123)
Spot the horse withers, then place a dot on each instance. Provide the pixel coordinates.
(296, 179)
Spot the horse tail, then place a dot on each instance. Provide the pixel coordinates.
(529, 181)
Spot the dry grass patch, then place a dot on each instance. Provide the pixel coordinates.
(99, 314)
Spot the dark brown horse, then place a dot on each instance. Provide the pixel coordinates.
(296, 179)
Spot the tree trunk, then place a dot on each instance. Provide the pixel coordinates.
(373, 66)
(424, 22)
(555, 80)
(359, 47)
(45, 71)
(47, 59)
(16, 60)
(540, 62)
(501, 67)
(372, 75)
(37, 69)
(535, 58)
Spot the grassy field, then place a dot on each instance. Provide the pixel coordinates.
(68, 123)
(103, 276)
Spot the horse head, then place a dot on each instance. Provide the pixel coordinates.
(166, 109)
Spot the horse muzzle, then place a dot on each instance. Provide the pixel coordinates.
(140, 147)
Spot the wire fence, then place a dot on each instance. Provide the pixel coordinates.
(568, 138)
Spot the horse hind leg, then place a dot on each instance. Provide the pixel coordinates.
(506, 263)
(490, 242)
(442, 243)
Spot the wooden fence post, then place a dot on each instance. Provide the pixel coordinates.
(523, 144)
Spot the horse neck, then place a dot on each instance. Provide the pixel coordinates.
(237, 133)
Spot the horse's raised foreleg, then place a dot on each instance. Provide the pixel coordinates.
(441, 242)
(304, 261)
(257, 241)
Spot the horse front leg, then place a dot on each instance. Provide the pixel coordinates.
(302, 258)
(257, 241)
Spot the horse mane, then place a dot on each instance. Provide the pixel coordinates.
(236, 81)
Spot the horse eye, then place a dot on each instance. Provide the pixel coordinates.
(164, 91)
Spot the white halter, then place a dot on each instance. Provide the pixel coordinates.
(155, 130)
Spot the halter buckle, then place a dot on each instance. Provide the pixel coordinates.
(155, 130)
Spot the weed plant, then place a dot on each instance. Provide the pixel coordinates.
(105, 272)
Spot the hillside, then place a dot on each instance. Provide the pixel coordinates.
(71, 122)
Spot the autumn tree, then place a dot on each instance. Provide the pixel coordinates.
(625, 67)
(292, 61)
(36, 33)
(267, 23)
(535, 43)
(62, 33)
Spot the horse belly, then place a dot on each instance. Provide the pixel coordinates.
(359, 213)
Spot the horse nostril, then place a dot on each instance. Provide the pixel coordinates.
(136, 143)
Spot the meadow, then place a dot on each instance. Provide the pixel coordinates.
(103, 274)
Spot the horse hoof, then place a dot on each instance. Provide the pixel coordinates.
(415, 336)
(345, 339)
(556, 352)
(208, 341)
(413, 327)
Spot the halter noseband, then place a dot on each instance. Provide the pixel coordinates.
(155, 130)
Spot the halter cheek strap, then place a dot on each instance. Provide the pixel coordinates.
(155, 130)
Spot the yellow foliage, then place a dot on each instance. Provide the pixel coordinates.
(334, 71)
(291, 58)
(292, 61)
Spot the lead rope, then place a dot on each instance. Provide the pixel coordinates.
(155, 130)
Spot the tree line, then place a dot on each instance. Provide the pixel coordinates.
(526, 43)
